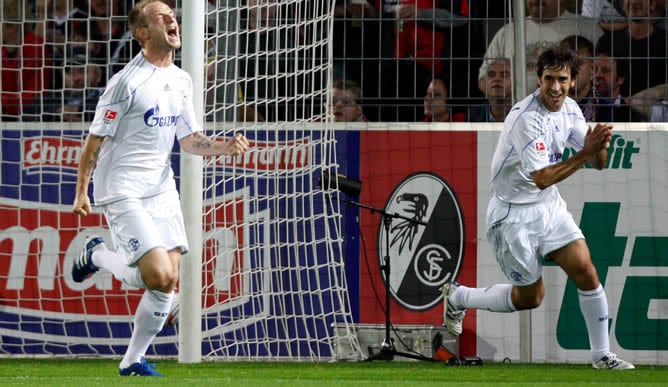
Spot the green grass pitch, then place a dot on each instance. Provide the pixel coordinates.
(104, 372)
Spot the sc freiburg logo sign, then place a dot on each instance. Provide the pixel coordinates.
(422, 258)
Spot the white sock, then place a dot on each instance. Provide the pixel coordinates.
(151, 314)
(594, 307)
(496, 298)
(116, 263)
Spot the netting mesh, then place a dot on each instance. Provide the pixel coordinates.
(274, 275)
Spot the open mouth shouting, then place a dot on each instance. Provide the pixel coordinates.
(173, 34)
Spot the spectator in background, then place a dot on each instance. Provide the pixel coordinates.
(436, 107)
(645, 44)
(56, 17)
(497, 87)
(106, 26)
(346, 96)
(95, 83)
(412, 41)
(468, 45)
(86, 93)
(64, 103)
(660, 14)
(607, 15)
(55, 22)
(548, 22)
(25, 62)
(355, 44)
(75, 101)
(610, 82)
(651, 104)
(584, 92)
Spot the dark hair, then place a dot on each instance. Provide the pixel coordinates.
(577, 42)
(444, 79)
(604, 47)
(557, 58)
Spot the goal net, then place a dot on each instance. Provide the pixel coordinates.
(273, 278)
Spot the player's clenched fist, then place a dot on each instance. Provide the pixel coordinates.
(237, 145)
(82, 205)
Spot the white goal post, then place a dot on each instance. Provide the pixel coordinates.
(190, 335)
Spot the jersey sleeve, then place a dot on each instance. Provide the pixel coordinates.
(529, 140)
(187, 123)
(111, 107)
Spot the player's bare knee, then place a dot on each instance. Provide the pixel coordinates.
(528, 302)
(528, 297)
(536, 301)
(586, 277)
(163, 280)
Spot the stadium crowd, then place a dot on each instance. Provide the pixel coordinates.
(452, 55)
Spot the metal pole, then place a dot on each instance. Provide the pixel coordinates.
(519, 59)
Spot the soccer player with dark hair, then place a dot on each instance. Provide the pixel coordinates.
(527, 219)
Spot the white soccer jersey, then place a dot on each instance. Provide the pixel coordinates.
(142, 110)
(532, 139)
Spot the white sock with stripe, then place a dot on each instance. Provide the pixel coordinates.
(151, 314)
(594, 307)
(116, 264)
(496, 298)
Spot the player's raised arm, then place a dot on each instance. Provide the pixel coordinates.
(594, 150)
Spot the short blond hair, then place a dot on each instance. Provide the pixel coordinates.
(137, 17)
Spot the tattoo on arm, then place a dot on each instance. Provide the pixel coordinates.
(93, 161)
(202, 141)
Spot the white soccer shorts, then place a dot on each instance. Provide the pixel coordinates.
(521, 235)
(139, 225)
